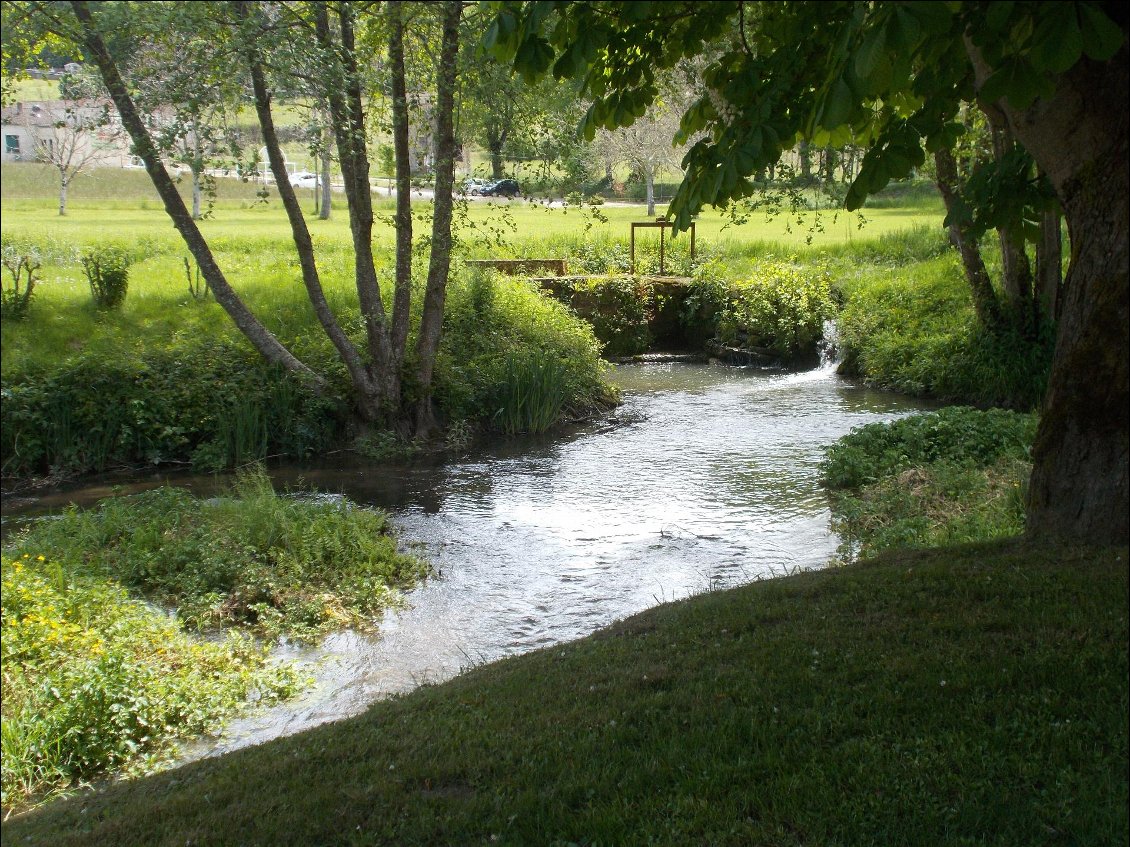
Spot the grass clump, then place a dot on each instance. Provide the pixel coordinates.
(954, 697)
(96, 682)
(267, 563)
(948, 477)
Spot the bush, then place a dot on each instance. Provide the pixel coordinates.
(22, 264)
(107, 270)
(954, 476)
(782, 308)
(912, 329)
(956, 434)
(214, 403)
(490, 320)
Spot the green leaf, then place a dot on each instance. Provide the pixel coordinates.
(870, 51)
(837, 105)
(997, 15)
(1060, 42)
(1102, 37)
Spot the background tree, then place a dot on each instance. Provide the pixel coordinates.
(645, 145)
(895, 75)
(72, 136)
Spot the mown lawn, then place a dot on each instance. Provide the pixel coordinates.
(974, 695)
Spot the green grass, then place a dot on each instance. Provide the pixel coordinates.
(969, 696)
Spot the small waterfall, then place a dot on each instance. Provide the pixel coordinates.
(829, 347)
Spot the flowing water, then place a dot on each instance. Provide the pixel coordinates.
(707, 477)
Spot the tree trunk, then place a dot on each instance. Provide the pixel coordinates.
(649, 182)
(402, 295)
(496, 158)
(985, 304)
(327, 190)
(1079, 137)
(265, 342)
(1049, 265)
(1016, 271)
(367, 397)
(195, 194)
(62, 197)
(435, 295)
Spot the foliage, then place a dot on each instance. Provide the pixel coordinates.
(492, 321)
(966, 696)
(92, 412)
(96, 682)
(782, 307)
(957, 434)
(107, 270)
(912, 329)
(617, 307)
(23, 268)
(949, 477)
(531, 393)
(252, 558)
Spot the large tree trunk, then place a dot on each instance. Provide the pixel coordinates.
(435, 295)
(1079, 487)
(265, 342)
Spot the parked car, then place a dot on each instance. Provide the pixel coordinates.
(502, 188)
(303, 179)
(474, 186)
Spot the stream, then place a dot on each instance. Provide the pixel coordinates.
(707, 477)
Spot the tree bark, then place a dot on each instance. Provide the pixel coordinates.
(985, 303)
(435, 295)
(326, 208)
(263, 340)
(63, 197)
(649, 187)
(367, 398)
(1079, 486)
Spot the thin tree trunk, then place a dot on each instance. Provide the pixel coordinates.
(649, 182)
(347, 113)
(263, 340)
(195, 194)
(1049, 264)
(402, 295)
(368, 400)
(431, 322)
(327, 189)
(62, 197)
(985, 303)
(1016, 270)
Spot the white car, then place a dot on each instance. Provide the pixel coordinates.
(303, 179)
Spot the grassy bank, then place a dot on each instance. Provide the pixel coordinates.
(967, 696)
(99, 680)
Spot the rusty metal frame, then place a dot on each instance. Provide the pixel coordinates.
(662, 224)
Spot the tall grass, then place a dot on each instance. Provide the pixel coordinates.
(532, 393)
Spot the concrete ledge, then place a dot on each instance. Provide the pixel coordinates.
(559, 267)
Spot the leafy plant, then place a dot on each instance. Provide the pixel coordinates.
(23, 266)
(532, 393)
(782, 307)
(107, 270)
(96, 681)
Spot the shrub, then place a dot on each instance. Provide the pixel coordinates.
(107, 270)
(954, 476)
(490, 319)
(782, 307)
(23, 266)
(956, 434)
